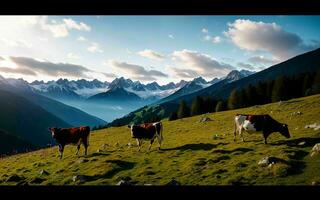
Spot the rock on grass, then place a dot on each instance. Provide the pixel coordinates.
(315, 150)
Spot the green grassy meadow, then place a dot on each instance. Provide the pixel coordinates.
(193, 153)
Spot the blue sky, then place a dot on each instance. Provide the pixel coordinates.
(149, 48)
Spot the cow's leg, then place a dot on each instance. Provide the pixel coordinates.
(151, 141)
(265, 136)
(241, 133)
(61, 148)
(159, 141)
(139, 143)
(85, 143)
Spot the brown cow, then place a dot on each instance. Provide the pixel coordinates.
(148, 131)
(75, 136)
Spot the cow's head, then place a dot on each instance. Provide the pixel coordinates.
(284, 130)
(54, 131)
(132, 128)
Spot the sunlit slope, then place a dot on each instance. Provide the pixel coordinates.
(193, 153)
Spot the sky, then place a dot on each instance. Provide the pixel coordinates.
(149, 48)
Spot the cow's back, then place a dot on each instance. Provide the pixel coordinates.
(74, 135)
(145, 131)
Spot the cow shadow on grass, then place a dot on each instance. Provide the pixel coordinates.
(194, 147)
(120, 165)
(235, 151)
(296, 166)
(298, 142)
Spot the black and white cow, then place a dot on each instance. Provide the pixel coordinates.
(147, 131)
(258, 123)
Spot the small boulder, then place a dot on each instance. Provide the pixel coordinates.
(78, 178)
(104, 146)
(315, 183)
(215, 137)
(123, 182)
(43, 172)
(315, 150)
(205, 119)
(264, 161)
(302, 143)
(99, 151)
(82, 161)
(314, 126)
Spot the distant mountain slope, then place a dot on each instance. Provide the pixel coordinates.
(9, 143)
(199, 83)
(70, 115)
(190, 87)
(307, 62)
(26, 120)
(116, 94)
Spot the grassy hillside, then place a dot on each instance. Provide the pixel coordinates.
(193, 153)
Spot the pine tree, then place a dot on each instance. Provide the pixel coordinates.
(251, 95)
(242, 99)
(233, 101)
(197, 106)
(220, 106)
(261, 90)
(307, 84)
(183, 110)
(173, 116)
(209, 104)
(279, 92)
(316, 83)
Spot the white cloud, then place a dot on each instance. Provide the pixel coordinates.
(135, 71)
(245, 66)
(82, 39)
(268, 37)
(95, 48)
(202, 64)
(204, 30)
(15, 43)
(57, 29)
(183, 73)
(171, 36)
(71, 24)
(151, 54)
(216, 39)
(48, 68)
(258, 60)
